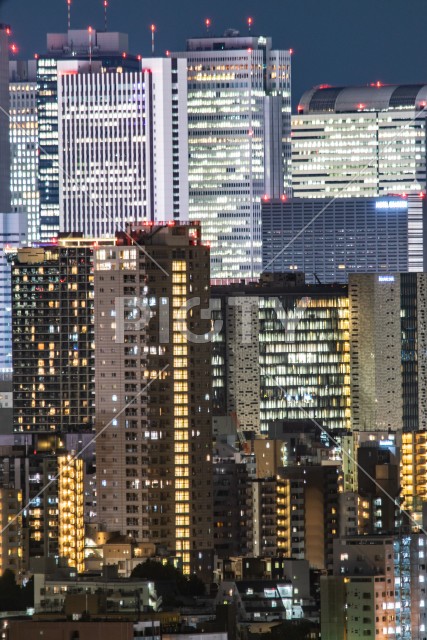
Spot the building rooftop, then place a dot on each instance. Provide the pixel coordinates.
(374, 97)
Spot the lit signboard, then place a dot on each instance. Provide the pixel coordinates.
(391, 204)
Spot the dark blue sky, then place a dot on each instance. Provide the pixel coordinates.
(335, 42)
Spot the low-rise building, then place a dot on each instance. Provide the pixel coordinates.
(96, 595)
(259, 600)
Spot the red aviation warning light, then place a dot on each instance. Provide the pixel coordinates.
(14, 49)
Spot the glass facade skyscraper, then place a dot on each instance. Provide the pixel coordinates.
(282, 352)
(239, 92)
(359, 141)
(23, 129)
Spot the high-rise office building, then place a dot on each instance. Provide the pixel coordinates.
(153, 390)
(167, 138)
(328, 239)
(239, 104)
(123, 160)
(387, 346)
(281, 351)
(24, 143)
(53, 337)
(308, 512)
(359, 141)
(13, 235)
(4, 120)
(108, 48)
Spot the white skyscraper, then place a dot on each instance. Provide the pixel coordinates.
(24, 152)
(239, 106)
(360, 141)
(122, 145)
(110, 50)
(166, 90)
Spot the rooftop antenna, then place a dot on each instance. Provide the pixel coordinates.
(69, 13)
(105, 14)
(90, 47)
(153, 31)
(208, 25)
(250, 23)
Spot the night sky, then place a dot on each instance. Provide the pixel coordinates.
(335, 42)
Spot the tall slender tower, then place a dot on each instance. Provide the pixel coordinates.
(153, 387)
(4, 121)
(24, 143)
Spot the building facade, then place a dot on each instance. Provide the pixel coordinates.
(24, 150)
(328, 239)
(377, 588)
(387, 345)
(239, 142)
(71, 533)
(53, 337)
(153, 390)
(359, 141)
(13, 235)
(124, 160)
(4, 120)
(111, 49)
(281, 351)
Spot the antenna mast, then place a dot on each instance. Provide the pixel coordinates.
(105, 14)
(69, 13)
(153, 31)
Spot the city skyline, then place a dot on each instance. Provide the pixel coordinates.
(214, 332)
(315, 32)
